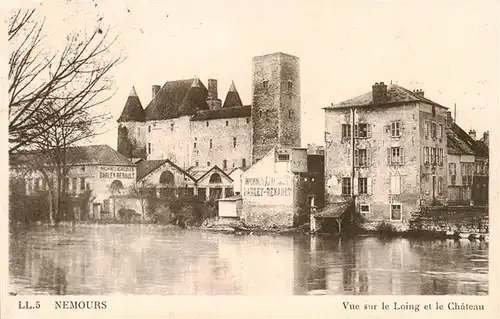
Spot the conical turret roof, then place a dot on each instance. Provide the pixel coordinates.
(133, 111)
(194, 100)
(232, 97)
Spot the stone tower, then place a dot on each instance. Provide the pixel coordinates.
(275, 103)
(131, 128)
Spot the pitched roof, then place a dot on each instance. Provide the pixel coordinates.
(195, 99)
(145, 168)
(168, 100)
(132, 111)
(223, 113)
(472, 146)
(216, 168)
(395, 95)
(81, 155)
(232, 97)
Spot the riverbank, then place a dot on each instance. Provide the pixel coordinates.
(238, 227)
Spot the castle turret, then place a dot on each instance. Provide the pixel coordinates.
(275, 103)
(131, 132)
(195, 99)
(232, 97)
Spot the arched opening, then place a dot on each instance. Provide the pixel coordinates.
(167, 178)
(215, 179)
(116, 186)
(167, 183)
(216, 190)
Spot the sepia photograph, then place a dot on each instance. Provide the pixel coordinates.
(250, 149)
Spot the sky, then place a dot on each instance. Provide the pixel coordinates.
(448, 49)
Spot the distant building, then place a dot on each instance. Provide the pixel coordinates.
(278, 189)
(188, 124)
(468, 161)
(386, 149)
(97, 168)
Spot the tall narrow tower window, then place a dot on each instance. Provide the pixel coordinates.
(265, 85)
(207, 124)
(210, 143)
(289, 114)
(290, 85)
(149, 148)
(234, 141)
(172, 127)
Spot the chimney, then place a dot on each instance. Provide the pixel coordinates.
(379, 93)
(472, 133)
(155, 90)
(449, 120)
(486, 138)
(212, 89)
(212, 99)
(419, 92)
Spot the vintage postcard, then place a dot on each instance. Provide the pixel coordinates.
(286, 159)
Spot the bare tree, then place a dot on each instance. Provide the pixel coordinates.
(47, 89)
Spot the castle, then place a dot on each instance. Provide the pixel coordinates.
(186, 122)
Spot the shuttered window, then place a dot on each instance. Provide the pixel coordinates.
(395, 156)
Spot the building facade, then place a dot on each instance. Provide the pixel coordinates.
(97, 168)
(386, 149)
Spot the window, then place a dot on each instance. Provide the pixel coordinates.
(73, 184)
(395, 184)
(395, 156)
(346, 186)
(66, 183)
(210, 143)
(149, 148)
(452, 171)
(265, 85)
(433, 130)
(440, 185)
(364, 209)
(149, 129)
(433, 111)
(289, 114)
(441, 156)
(362, 186)
(207, 124)
(208, 164)
(172, 127)
(196, 163)
(194, 145)
(234, 141)
(44, 184)
(364, 130)
(243, 162)
(395, 129)
(346, 130)
(37, 184)
(248, 120)
(82, 183)
(224, 164)
(426, 128)
(283, 157)
(426, 155)
(433, 155)
(467, 170)
(290, 85)
(440, 130)
(396, 210)
(227, 123)
(361, 157)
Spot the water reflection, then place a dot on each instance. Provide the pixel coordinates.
(146, 260)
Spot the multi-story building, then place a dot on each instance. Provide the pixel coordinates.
(386, 149)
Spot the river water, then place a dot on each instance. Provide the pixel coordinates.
(135, 259)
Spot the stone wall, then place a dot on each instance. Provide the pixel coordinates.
(222, 132)
(458, 220)
(268, 215)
